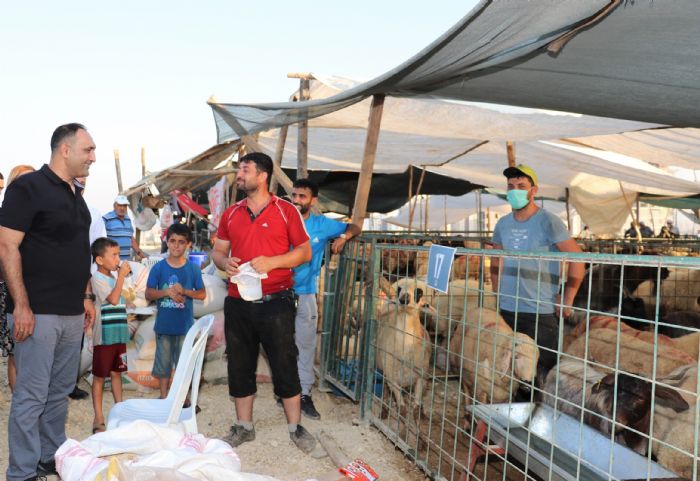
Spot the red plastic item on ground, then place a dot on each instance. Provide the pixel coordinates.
(359, 471)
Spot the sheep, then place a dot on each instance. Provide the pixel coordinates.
(461, 266)
(688, 344)
(485, 344)
(678, 430)
(681, 290)
(636, 355)
(611, 286)
(633, 408)
(450, 307)
(682, 323)
(404, 351)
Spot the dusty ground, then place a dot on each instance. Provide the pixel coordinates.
(272, 453)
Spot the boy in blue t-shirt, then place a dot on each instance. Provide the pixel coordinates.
(173, 283)
(110, 332)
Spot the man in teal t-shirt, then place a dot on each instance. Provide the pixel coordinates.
(529, 288)
(321, 229)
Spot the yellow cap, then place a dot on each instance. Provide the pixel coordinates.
(521, 170)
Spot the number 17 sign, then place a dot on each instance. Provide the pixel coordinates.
(439, 267)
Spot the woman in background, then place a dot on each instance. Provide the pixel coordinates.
(7, 343)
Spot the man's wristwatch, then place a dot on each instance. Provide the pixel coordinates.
(343, 236)
(89, 296)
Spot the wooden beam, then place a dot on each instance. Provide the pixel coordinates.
(359, 210)
(307, 76)
(143, 162)
(303, 135)
(510, 148)
(118, 167)
(279, 154)
(198, 173)
(568, 211)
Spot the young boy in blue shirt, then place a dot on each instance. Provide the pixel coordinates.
(110, 332)
(173, 283)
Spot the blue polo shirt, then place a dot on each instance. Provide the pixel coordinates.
(321, 229)
(535, 281)
(121, 231)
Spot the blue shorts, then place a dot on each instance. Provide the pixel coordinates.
(168, 349)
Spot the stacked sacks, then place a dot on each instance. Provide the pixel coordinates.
(140, 353)
(216, 294)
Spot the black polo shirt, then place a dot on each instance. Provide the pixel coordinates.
(56, 247)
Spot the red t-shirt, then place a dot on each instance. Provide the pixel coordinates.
(277, 229)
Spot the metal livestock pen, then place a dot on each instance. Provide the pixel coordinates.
(464, 396)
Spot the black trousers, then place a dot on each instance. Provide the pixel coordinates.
(271, 323)
(546, 326)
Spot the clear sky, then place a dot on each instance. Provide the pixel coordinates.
(138, 73)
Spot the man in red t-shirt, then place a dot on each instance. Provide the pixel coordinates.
(269, 233)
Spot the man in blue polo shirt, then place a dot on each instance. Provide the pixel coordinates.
(321, 229)
(120, 230)
(529, 289)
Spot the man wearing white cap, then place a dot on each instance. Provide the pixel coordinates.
(119, 229)
(529, 288)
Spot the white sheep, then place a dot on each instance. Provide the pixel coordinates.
(404, 352)
(636, 355)
(680, 291)
(462, 295)
(484, 347)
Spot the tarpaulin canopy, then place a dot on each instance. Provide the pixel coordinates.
(467, 141)
(634, 60)
(388, 192)
(448, 210)
(199, 172)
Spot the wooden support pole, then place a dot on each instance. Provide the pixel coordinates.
(118, 166)
(359, 210)
(568, 211)
(279, 153)
(143, 162)
(510, 148)
(635, 222)
(410, 196)
(303, 134)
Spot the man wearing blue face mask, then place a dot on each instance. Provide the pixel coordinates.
(530, 288)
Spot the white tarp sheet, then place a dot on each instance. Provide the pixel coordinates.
(412, 135)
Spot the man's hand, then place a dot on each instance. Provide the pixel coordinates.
(337, 246)
(23, 323)
(566, 308)
(89, 314)
(232, 266)
(263, 264)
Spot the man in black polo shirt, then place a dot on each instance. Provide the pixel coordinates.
(45, 258)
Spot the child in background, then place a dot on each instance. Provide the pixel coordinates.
(173, 283)
(110, 332)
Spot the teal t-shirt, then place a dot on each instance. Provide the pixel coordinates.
(526, 277)
(321, 229)
(174, 318)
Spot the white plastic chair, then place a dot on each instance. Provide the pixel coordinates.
(170, 411)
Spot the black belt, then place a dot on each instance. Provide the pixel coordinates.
(287, 293)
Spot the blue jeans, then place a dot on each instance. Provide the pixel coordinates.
(168, 348)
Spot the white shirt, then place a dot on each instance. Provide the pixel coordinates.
(97, 225)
